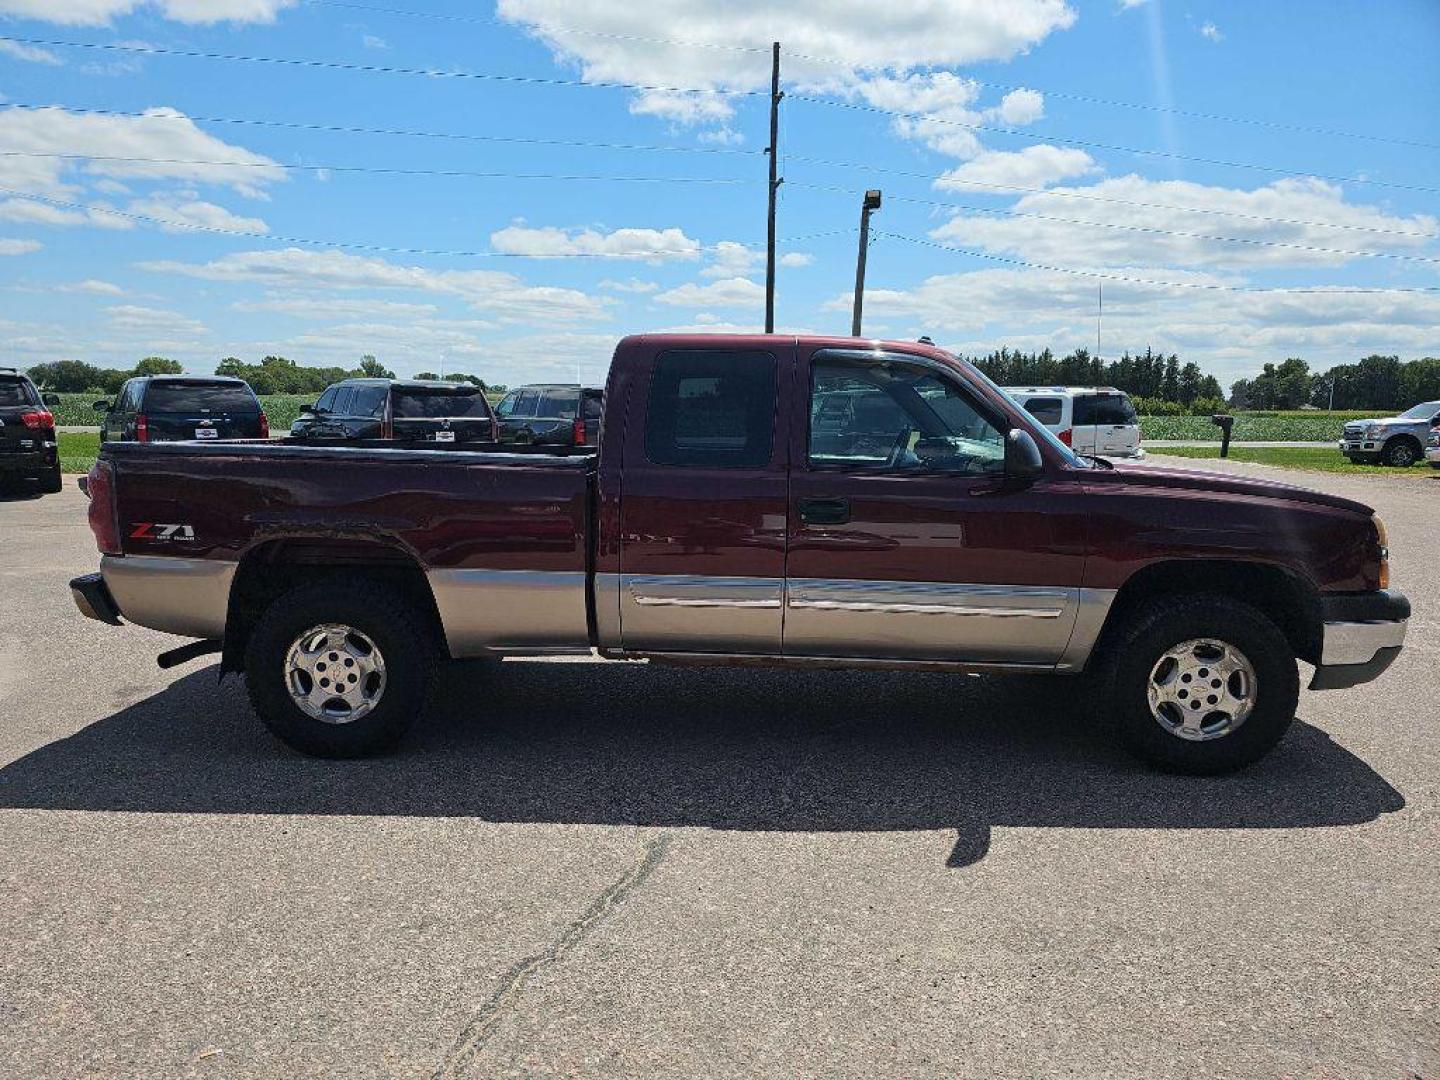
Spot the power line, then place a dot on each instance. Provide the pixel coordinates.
(856, 64)
(1104, 275)
(373, 69)
(1088, 197)
(480, 174)
(1094, 145)
(1151, 229)
(348, 129)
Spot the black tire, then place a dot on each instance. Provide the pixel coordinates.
(390, 619)
(52, 482)
(1401, 452)
(1132, 651)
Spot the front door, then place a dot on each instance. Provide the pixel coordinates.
(703, 503)
(906, 539)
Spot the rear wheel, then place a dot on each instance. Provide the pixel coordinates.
(340, 669)
(1402, 452)
(1199, 684)
(51, 481)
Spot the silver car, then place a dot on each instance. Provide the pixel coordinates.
(1397, 440)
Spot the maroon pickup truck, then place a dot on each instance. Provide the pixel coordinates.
(775, 500)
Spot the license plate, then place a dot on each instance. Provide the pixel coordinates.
(444, 436)
(206, 433)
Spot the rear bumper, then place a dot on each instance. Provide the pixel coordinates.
(1363, 634)
(30, 462)
(93, 599)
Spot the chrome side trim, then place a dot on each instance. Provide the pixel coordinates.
(701, 613)
(1094, 607)
(697, 659)
(679, 590)
(492, 611)
(188, 597)
(928, 621)
(607, 610)
(1358, 642)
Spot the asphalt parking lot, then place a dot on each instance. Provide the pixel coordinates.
(617, 870)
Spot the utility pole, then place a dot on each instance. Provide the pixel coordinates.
(775, 182)
(870, 203)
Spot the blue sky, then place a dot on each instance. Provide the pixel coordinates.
(1205, 161)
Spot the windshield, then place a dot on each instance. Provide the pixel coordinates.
(424, 403)
(1040, 431)
(172, 397)
(1422, 412)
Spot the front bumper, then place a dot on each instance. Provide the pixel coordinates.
(1360, 448)
(1363, 634)
(93, 599)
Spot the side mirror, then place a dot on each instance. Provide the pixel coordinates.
(50, 401)
(103, 406)
(1022, 455)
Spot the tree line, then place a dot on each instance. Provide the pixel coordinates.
(272, 375)
(1158, 383)
(1376, 382)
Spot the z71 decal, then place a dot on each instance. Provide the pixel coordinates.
(151, 530)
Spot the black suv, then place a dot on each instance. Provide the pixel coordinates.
(173, 408)
(563, 414)
(419, 410)
(27, 433)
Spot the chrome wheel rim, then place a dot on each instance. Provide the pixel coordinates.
(334, 673)
(1202, 689)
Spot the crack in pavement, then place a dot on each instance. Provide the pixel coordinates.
(482, 1025)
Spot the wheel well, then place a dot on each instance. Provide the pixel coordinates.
(1405, 436)
(271, 569)
(1287, 601)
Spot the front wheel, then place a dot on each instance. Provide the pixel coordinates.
(1401, 453)
(340, 669)
(1199, 684)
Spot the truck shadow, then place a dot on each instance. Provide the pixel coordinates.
(633, 744)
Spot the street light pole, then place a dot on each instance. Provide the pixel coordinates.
(870, 204)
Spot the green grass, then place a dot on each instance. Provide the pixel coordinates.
(78, 450)
(1307, 458)
(1255, 427)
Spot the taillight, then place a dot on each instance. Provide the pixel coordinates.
(103, 521)
(38, 420)
(142, 428)
(264, 426)
(1065, 436)
(579, 431)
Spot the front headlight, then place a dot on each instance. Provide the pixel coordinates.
(1374, 431)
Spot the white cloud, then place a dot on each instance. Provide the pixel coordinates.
(796, 259)
(485, 290)
(145, 322)
(38, 213)
(93, 287)
(175, 214)
(612, 40)
(1210, 32)
(101, 12)
(1022, 106)
(1105, 233)
(730, 260)
(334, 307)
(649, 245)
(29, 52)
(728, 292)
(1126, 5)
(19, 247)
(630, 285)
(164, 136)
(1035, 166)
(370, 41)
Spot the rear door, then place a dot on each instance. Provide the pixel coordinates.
(703, 503)
(457, 414)
(16, 399)
(177, 409)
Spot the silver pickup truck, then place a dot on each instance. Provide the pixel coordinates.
(1396, 440)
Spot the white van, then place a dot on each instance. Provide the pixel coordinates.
(1091, 419)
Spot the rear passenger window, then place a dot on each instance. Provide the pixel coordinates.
(591, 407)
(369, 401)
(526, 402)
(561, 403)
(711, 408)
(1105, 409)
(1047, 410)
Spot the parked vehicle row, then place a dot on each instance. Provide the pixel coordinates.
(405, 410)
(29, 451)
(754, 500)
